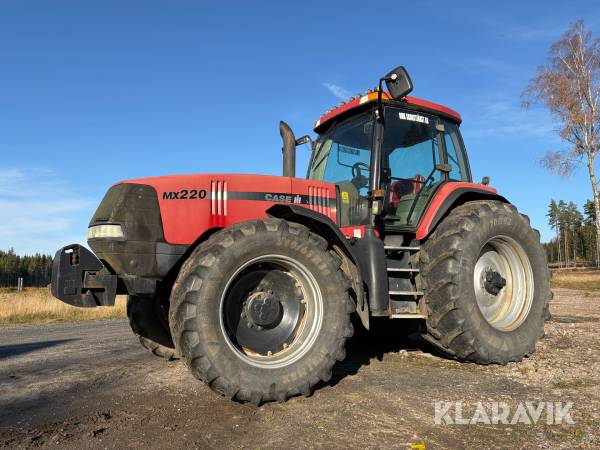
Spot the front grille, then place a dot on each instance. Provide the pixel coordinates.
(218, 198)
(318, 199)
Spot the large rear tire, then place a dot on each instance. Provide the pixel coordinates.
(261, 311)
(486, 283)
(148, 321)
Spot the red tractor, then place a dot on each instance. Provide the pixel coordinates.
(253, 279)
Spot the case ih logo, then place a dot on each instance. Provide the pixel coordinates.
(283, 198)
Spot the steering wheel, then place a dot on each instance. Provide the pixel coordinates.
(356, 169)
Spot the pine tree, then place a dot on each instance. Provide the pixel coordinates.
(554, 222)
(36, 270)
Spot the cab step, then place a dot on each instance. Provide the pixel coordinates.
(401, 248)
(419, 293)
(399, 269)
(407, 316)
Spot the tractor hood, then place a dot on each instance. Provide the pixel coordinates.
(187, 206)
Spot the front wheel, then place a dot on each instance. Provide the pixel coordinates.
(261, 311)
(486, 284)
(148, 320)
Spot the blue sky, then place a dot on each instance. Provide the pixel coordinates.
(95, 92)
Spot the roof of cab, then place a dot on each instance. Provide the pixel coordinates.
(359, 101)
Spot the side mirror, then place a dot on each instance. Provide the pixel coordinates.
(303, 140)
(398, 83)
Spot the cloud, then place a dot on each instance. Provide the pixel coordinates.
(338, 91)
(500, 117)
(530, 34)
(39, 211)
(498, 66)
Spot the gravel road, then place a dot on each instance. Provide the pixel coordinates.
(91, 385)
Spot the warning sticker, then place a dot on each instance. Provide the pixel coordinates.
(345, 197)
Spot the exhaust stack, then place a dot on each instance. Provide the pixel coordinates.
(288, 149)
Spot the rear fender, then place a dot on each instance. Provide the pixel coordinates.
(448, 197)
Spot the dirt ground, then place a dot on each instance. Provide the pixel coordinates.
(91, 385)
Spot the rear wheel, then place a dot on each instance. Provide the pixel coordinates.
(148, 320)
(486, 284)
(261, 311)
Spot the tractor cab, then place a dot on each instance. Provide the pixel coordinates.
(420, 148)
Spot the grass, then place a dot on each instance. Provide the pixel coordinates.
(36, 305)
(586, 279)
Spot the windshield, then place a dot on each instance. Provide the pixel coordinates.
(343, 156)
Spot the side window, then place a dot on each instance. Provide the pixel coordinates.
(455, 153)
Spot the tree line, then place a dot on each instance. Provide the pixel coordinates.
(36, 270)
(575, 240)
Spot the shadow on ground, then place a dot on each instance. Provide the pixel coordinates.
(6, 351)
(385, 336)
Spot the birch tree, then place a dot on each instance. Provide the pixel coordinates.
(568, 85)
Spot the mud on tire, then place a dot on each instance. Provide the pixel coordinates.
(211, 285)
(152, 331)
(456, 322)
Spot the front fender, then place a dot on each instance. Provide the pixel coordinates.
(326, 228)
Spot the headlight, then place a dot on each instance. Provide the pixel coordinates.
(105, 231)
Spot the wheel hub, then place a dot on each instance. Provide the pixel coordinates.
(503, 283)
(263, 310)
(494, 282)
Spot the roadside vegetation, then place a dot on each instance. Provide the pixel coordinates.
(36, 305)
(574, 243)
(35, 270)
(584, 279)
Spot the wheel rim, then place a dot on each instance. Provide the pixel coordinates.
(503, 281)
(271, 311)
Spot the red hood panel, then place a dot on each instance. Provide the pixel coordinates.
(190, 205)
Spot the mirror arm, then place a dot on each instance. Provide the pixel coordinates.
(304, 140)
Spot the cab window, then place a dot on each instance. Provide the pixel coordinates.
(410, 153)
(455, 152)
